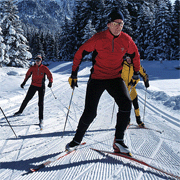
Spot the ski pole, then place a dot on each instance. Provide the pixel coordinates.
(144, 104)
(68, 112)
(53, 94)
(113, 112)
(8, 122)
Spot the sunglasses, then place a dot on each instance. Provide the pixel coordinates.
(38, 59)
(116, 23)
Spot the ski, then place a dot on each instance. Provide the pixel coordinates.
(51, 160)
(135, 160)
(146, 128)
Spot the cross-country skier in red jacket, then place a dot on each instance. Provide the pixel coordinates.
(38, 72)
(108, 49)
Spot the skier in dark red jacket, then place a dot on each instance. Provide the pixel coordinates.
(108, 49)
(38, 72)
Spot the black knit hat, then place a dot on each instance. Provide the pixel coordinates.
(115, 14)
(38, 57)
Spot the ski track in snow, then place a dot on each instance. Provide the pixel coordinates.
(33, 147)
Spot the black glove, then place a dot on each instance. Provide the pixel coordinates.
(50, 84)
(73, 81)
(136, 75)
(22, 85)
(146, 84)
(146, 81)
(135, 79)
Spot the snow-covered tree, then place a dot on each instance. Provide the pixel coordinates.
(37, 45)
(2, 48)
(2, 45)
(121, 5)
(67, 41)
(17, 51)
(133, 8)
(143, 31)
(175, 41)
(50, 49)
(150, 23)
(162, 34)
(89, 31)
(96, 14)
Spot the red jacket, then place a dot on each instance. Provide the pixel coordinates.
(38, 75)
(110, 52)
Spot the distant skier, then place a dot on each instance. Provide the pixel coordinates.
(127, 73)
(38, 72)
(109, 47)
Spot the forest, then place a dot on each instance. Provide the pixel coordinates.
(152, 24)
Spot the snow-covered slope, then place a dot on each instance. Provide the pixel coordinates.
(33, 147)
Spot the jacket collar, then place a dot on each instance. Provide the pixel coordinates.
(110, 35)
(39, 65)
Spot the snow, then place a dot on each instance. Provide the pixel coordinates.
(33, 147)
(12, 31)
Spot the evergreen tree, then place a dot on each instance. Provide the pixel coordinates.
(17, 51)
(89, 31)
(151, 23)
(142, 33)
(73, 31)
(121, 5)
(175, 41)
(149, 52)
(80, 20)
(2, 48)
(57, 39)
(134, 8)
(50, 49)
(162, 32)
(37, 46)
(97, 15)
(67, 41)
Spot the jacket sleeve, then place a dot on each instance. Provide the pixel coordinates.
(28, 75)
(136, 60)
(143, 74)
(87, 47)
(49, 74)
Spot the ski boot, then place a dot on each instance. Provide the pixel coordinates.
(139, 122)
(120, 147)
(72, 146)
(17, 113)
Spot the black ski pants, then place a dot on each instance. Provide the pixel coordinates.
(118, 90)
(135, 103)
(31, 92)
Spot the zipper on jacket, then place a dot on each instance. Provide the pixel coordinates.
(113, 45)
(129, 73)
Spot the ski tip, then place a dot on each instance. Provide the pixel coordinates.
(125, 154)
(83, 143)
(129, 154)
(32, 170)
